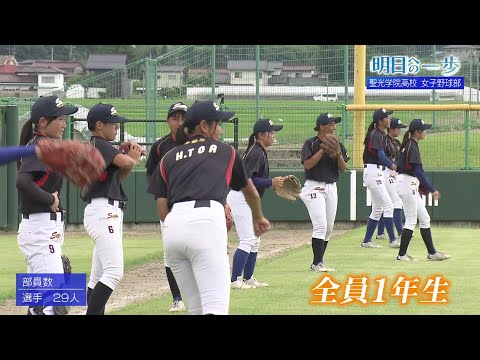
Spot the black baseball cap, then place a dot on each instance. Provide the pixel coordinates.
(50, 106)
(205, 110)
(265, 125)
(325, 119)
(179, 106)
(380, 114)
(396, 123)
(418, 124)
(105, 113)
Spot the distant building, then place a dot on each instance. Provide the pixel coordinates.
(31, 78)
(243, 72)
(222, 76)
(29, 81)
(296, 75)
(170, 76)
(101, 63)
(69, 68)
(117, 85)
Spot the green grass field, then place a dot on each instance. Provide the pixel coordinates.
(290, 278)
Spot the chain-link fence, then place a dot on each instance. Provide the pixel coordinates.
(289, 84)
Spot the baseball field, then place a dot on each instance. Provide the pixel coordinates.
(284, 259)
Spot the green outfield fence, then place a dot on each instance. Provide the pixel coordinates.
(278, 82)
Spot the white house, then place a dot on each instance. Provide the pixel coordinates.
(242, 72)
(170, 76)
(50, 79)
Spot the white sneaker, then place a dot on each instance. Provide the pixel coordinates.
(370, 244)
(382, 237)
(253, 282)
(240, 284)
(329, 268)
(177, 306)
(320, 267)
(394, 243)
(405, 258)
(438, 256)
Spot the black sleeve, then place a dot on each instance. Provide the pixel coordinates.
(153, 185)
(34, 193)
(253, 163)
(162, 190)
(153, 159)
(307, 152)
(239, 176)
(108, 151)
(344, 153)
(32, 164)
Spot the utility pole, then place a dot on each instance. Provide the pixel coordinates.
(52, 52)
(71, 53)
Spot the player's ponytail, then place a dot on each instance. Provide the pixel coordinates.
(251, 141)
(371, 127)
(27, 132)
(181, 135)
(25, 136)
(406, 137)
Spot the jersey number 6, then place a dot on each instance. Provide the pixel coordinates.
(110, 229)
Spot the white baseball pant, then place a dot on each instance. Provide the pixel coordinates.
(321, 200)
(413, 206)
(381, 203)
(242, 217)
(104, 224)
(195, 245)
(40, 240)
(391, 186)
(165, 261)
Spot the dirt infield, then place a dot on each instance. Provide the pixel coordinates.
(132, 287)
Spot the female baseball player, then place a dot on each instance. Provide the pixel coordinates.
(175, 118)
(410, 176)
(256, 163)
(375, 160)
(392, 150)
(195, 179)
(319, 193)
(41, 230)
(105, 198)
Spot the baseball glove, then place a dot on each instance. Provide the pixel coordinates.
(331, 145)
(291, 188)
(80, 163)
(228, 216)
(67, 267)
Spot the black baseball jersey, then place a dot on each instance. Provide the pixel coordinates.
(327, 168)
(375, 140)
(201, 169)
(410, 155)
(256, 163)
(108, 184)
(48, 180)
(157, 151)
